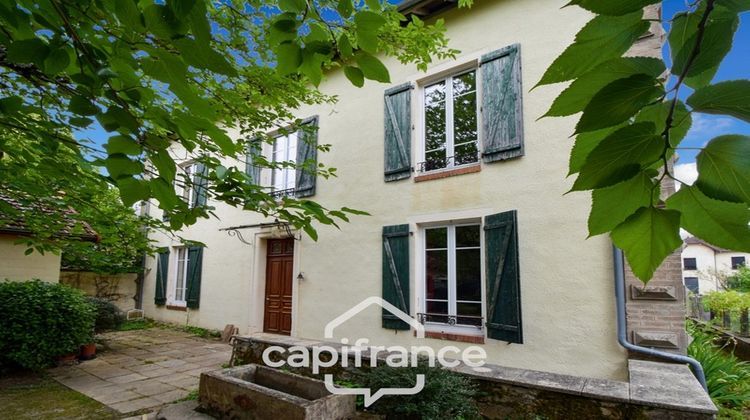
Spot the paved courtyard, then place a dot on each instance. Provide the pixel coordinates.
(144, 369)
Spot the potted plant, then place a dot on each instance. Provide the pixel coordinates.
(88, 350)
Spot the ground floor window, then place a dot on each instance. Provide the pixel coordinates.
(453, 275)
(692, 284)
(180, 281)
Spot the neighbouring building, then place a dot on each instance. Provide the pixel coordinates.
(470, 229)
(705, 267)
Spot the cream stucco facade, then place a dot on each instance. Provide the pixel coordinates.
(566, 279)
(711, 265)
(16, 266)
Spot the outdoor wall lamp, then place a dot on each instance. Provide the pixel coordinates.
(301, 276)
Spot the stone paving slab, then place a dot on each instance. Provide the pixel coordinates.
(144, 369)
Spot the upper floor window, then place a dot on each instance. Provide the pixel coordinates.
(689, 264)
(450, 122)
(737, 262)
(453, 275)
(184, 185)
(284, 150)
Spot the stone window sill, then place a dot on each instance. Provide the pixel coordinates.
(460, 338)
(177, 308)
(445, 174)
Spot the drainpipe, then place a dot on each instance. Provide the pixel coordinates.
(622, 330)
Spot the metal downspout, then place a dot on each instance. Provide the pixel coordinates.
(622, 330)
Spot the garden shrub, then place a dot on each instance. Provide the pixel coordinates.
(108, 316)
(39, 321)
(727, 377)
(446, 394)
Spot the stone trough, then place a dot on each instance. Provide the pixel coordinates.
(259, 392)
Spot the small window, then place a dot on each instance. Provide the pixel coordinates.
(180, 281)
(183, 187)
(450, 122)
(284, 153)
(737, 262)
(453, 275)
(692, 284)
(689, 264)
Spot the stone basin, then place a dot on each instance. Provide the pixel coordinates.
(260, 392)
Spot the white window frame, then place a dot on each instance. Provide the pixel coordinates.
(452, 301)
(289, 155)
(175, 277)
(447, 77)
(185, 191)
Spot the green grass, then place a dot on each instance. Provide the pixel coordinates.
(146, 323)
(137, 324)
(32, 396)
(192, 396)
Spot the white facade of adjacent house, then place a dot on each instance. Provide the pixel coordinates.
(445, 203)
(704, 266)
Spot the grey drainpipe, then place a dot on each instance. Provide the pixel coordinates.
(622, 330)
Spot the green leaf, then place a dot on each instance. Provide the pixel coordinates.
(612, 8)
(368, 25)
(372, 68)
(647, 238)
(574, 99)
(729, 98)
(355, 211)
(82, 106)
(619, 101)
(11, 105)
(123, 144)
(28, 51)
(204, 57)
(311, 66)
(355, 76)
(345, 8)
(721, 223)
(116, 118)
(164, 164)
(724, 168)
(612, 205)
(282, 29)
(199, 23)
(288, 58)
(345, 46)
(222, 140)
(120, 165)
(294, 6)
(620, 156)
(181, 8)
(716, 43)
(128, 14)
(657, 114)
(310, 230)
(373, 5)
(164, 192)
(602, 39)
(57, 61)
(133, 190)
(584, 144)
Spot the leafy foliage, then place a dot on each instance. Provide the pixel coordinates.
(108, 316)
(739, 281)
(158, 73)
(41, 321)
(727, 377)
(445, 395)
(631, 126)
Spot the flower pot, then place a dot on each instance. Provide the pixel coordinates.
(88, 351)
(65, 359)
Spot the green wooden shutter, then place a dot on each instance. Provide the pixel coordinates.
(502, 119)
(396, 273)
(254, 148)
(162, 270)
(307, 152)
(503, 280)
(398, 132)
(200, 183)
(194, 270)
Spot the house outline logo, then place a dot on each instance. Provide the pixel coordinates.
(369, 396)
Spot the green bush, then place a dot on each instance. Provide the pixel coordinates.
(108, 316)
(39, 321)
(727, 377)
(445, 395)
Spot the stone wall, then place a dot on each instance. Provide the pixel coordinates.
(120, 289)
(654, 390)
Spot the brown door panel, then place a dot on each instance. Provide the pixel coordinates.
(278, 297)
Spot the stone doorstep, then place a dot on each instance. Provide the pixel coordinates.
(681, 392)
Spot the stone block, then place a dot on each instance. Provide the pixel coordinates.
(660, 339)
(653, 292)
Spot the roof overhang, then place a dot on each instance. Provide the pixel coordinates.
(425, 8)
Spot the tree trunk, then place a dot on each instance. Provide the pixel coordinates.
(726, 319)
(744, 323)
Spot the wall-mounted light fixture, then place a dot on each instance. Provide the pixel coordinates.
(301, 276)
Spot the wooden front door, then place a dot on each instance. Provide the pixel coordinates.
(277, 316)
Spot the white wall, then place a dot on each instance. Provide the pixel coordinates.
(710, 263)
(566, 279)
(16, 266)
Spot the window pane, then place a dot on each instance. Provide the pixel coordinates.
(435, 126)
(437, 275)
(467, 236)
(437, 308)
(434, 94)
(468, 275)
(435, 160)
(464, 83)
(466, 153)
(437, 238)
(465, 118)
(471, 312)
